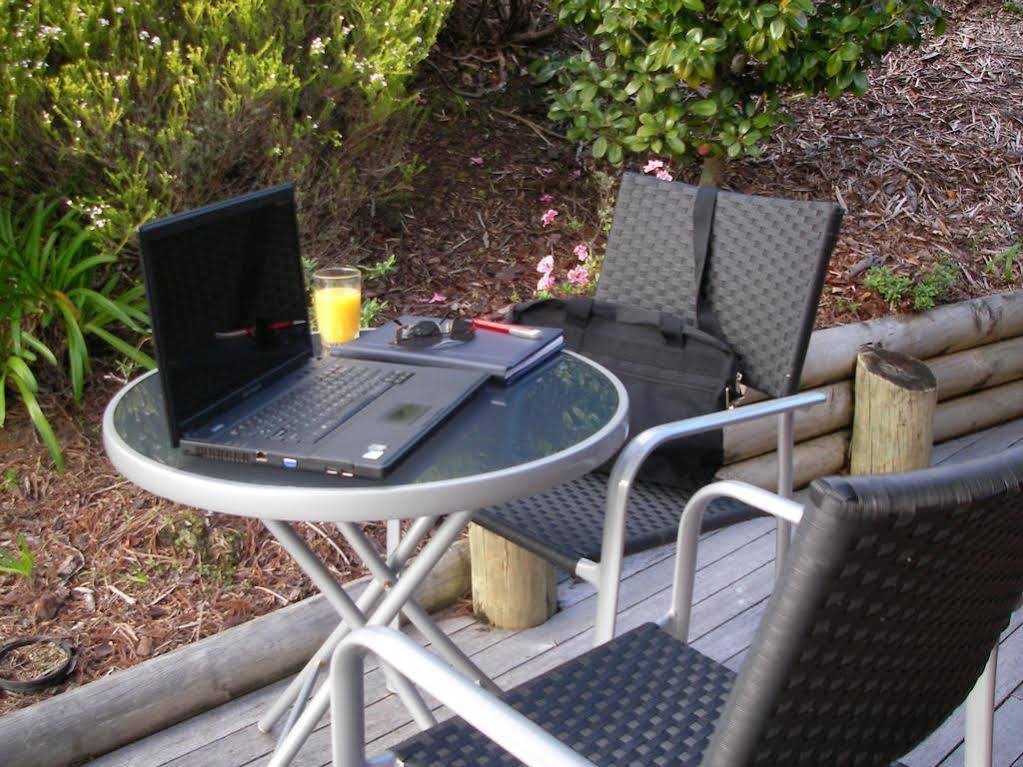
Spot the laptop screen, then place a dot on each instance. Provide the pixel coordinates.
(227, 299)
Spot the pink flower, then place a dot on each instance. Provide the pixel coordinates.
(549, 216)
(545, 283)
(546, 198)
(581, 251)
(652, 165)
(546, 265)
(579, 275)
(546, 171)
(437, 298)
(663, 175)
(476, 160)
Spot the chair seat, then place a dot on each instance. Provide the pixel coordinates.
(565, 524)
(644, 699)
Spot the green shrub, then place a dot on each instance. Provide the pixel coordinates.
(892, 287)
(932, 286)
(54, 296)
(927, 290)
(135, 108)
(681, 77)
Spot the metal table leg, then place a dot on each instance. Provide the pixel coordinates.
(367, 601)
(396, 598)
(413, 610)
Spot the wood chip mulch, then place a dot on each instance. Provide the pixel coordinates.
(929, 165)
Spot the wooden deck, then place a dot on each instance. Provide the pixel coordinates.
(733, 583)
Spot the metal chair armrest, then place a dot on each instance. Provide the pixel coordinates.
(624, 473)
(689, 532)
(504, 725)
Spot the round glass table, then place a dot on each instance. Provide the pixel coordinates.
(555, 424)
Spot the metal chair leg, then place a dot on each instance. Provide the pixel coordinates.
(980, 716)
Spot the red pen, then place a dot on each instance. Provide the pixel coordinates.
(512, 330)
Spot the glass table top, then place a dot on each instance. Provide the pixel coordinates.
(550, 410)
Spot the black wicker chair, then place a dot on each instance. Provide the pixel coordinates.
(893, 595)
(767, 267)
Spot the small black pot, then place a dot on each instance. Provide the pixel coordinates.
(57, 674)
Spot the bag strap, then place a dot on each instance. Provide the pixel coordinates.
(703, 225)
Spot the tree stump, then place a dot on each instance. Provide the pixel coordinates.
(511, 588)
(893, 418)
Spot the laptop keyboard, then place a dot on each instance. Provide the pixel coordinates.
(316, 407)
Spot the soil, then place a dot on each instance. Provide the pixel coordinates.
(929, 166)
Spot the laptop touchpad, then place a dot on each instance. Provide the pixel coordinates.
(406, 412)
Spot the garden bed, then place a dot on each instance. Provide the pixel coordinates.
(928, 164)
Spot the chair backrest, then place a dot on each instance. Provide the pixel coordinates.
(768, 262)
(895, 591)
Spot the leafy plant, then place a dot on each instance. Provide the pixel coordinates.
(137, 109)
(22, 563)
(682, 78)
(932, 286)
(892, 287)
(380, 269)
(1005, 262)
(370, 312)
(53, 299)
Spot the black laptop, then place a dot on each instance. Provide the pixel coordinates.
(240, 379)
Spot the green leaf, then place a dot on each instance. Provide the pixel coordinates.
(734, 149)
(848, 24)
(834, 65)
(18, 370)
(634, 85)
(648, 131)
(703, 107)
(614, 154)
(599, 148)
(88, 264)
(677, 145)
(40, 347)
(849, 52)
(39, 421)
(3, 399)
(777, 28)
(694, 5)
(113, 308)
(860, 81)
(77, 351)
(136, 355)
(712, 44)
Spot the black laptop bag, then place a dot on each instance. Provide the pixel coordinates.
(671, 369)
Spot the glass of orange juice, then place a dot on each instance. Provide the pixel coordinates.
(337, 295)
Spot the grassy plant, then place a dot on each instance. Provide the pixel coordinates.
(22, 563)
(54, 299)
(1005, 262)
(892, 287)
(1014, 7)
(932, 286)
(371, 310)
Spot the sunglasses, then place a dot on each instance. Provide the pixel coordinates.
(429, 332)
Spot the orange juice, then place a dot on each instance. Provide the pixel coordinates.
(337, 314)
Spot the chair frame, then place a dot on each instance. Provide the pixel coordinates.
(523, 738)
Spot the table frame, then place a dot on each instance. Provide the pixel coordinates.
(393, 578)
